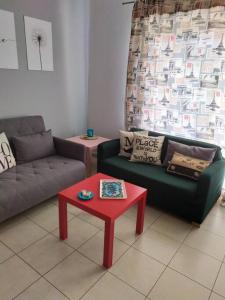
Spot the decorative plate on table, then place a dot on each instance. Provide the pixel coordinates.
(85, 137)
(112, 189)
(85, 197)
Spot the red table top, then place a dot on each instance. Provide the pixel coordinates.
(105, 209)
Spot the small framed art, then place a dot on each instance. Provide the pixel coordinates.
(112, 189)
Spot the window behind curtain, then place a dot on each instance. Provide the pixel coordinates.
(176, 71)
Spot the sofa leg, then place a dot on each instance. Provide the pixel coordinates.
(196, 224)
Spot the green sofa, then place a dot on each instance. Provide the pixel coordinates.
(184, 197)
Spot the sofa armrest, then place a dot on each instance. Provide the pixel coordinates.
(69, 149)
(106, 150)
(210, 183)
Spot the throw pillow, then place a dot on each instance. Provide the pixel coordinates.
(193, 151)
(34, 146)
(187, 166)
(126, 142)
(147, 149)
(7, 159)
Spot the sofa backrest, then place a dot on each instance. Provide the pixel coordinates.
(185, 141)
(22, 126)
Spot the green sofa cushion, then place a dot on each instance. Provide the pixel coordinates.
(154, 178)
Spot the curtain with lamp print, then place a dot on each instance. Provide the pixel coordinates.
(176, 68)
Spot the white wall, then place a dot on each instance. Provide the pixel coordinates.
(110, 24)
(61, 96)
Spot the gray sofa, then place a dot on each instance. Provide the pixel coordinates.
(28, 184)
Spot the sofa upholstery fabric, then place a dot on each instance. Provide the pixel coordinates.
(69, 149)
(33, 146)
(31, 183)
(41, 179)
(182, 196)
(22, 126)
(193, 151)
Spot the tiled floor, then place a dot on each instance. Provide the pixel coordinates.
(171, 260)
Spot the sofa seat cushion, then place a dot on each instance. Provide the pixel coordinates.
(23, 185)
(152, 177)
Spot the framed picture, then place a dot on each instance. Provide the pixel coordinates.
(39, 44)
(112, 189)
(8, 47)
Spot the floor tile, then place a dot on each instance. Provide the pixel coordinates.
(172, 227)
(15, 277)
(93, 248)
(78, 232)
(47, 216)
(215, 225)
(138, 270)
(74, 210)
(206, 242)
(151, 214)
(157, 245)
(196, 265)
(220, 282)
(5, 252)
(41, 290)
(125, 230)
(174, 286)
(216, 297)
(19, 233)
(92, 220)
(40, 207)
(111, 288)
(218, 210)
(75, 275)
(46, 253)
(53, 201)
(71, 208)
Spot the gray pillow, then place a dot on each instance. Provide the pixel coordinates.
(34, 146)
(193, 151)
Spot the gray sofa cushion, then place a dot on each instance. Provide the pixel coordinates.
(193, 151)
(33, 146)
(24, 185)
(22, 126)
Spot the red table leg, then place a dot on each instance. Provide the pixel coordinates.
(108, 244)
(141, 215)
(62, 219)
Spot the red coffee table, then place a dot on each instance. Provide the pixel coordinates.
(108, 209)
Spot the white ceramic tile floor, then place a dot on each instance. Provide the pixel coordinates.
(46, 216)
(40, 254)
(157, 245)
(171, 260)
(138, 270)
(220, 282)
(196, 265)
(93, 248)
(5, 252)
(174, 286)
(207, 242)
(79, 232)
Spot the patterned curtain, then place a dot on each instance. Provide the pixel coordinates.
(176, 68)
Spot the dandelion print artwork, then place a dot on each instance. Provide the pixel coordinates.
(39, 44)
(8, 48)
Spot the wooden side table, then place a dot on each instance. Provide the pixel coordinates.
(90, 147)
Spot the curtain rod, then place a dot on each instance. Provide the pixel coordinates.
(129, 2)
